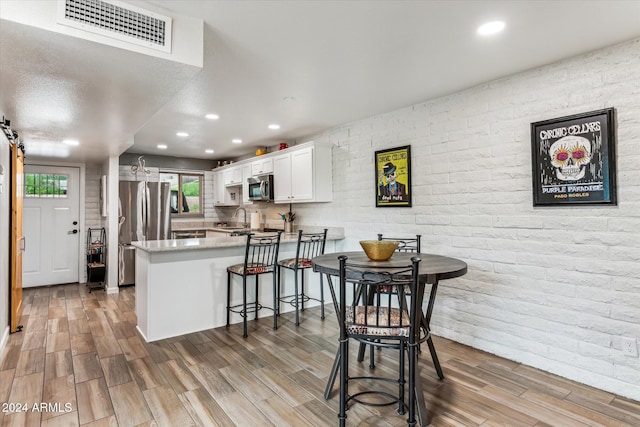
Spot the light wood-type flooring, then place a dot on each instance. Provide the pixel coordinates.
(80, 354)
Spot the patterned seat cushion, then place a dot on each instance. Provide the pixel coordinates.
(291, 262)
(251, 269)
(377, 319)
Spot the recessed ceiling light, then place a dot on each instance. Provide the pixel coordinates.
(162, 146)
(212, 116)
(208, 151)
(182, 134)
(274, 126)
(236, 141)
(71, 142)
(490, 28)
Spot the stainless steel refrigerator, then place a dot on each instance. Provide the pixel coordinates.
(144, 214)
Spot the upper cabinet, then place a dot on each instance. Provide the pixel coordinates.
(225, 195)
(262, 166)
(303, 174)
(232, 176)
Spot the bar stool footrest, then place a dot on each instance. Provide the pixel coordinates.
(252, 307)
(393, 399)
(302, 298)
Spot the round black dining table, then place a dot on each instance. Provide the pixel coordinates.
(431, 270)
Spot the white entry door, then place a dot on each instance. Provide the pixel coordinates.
(51, 218)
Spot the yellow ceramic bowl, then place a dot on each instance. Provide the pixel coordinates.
(261, 151)
(379, 250)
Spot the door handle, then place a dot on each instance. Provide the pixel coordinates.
(263, 191)
(23, 241)
(72, 232)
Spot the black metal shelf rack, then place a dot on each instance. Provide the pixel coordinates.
(96, 260)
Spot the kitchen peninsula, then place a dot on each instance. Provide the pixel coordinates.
(181, 283)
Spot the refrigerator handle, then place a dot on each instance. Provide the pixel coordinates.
(145, 211)
(143, 203)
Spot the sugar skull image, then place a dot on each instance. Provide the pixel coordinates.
(570, 156)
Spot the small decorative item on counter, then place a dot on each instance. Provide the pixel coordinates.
(288, 219)
(283, 145)
(261, 151)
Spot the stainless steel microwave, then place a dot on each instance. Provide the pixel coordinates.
(261, 188)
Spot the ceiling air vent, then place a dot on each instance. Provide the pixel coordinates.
(117, 20)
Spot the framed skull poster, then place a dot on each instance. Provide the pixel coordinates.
(574, 159)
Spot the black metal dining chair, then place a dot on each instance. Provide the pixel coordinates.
(373, 316)
(310, 245)
(260, 257)
(412, 245)
(405, 244)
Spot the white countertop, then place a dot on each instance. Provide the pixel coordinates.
(222, 241)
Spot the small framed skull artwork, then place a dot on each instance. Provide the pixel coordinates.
(574, 159)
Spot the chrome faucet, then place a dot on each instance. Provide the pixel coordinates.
(245, 224)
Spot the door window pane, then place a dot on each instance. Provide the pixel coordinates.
(45, 185)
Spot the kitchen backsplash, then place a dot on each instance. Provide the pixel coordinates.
(269, 216)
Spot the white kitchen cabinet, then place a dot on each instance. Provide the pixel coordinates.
(303, 174)
(232, 176)
(246, 174)
(282, 178)
(223, 195)
(218, 188)
(262, 167)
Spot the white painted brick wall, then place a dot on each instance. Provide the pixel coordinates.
(553, 288)
(208, 196)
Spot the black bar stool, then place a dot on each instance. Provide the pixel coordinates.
(310, 245)
(260, 257)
